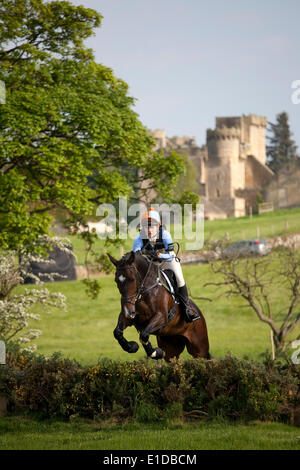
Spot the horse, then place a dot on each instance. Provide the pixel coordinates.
(148, 304)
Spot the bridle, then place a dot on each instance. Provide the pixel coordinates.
(141, 290)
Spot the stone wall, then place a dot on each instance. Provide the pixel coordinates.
(290, 241)
(232, 206)
(250, 198)
(284, 188)
(218, 181)
(253, 132)
(257, 176)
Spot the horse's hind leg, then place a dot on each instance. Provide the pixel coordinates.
(171, 345)
(197, 341)
(196, 351)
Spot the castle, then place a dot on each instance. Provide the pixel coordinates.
(231, 166)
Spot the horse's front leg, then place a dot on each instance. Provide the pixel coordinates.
(128, 346)
(154, 325)
(154, 353)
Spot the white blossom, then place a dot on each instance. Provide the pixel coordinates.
(16, 309)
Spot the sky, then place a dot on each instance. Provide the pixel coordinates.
(188, 61)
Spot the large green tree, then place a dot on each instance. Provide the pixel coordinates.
(281, 148)
(67, 128)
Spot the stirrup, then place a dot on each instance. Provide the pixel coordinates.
(190, 315)
(196, 317)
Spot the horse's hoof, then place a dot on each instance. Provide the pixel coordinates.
(157, 354)
(132, 347)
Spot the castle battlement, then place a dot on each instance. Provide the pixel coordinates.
(255, 120)
(223, 133)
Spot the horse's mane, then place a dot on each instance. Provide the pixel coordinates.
(124, 259)
(139, 258)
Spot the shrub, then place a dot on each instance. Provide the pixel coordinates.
(228, 388)
(148, 413)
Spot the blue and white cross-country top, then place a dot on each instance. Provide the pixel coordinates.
(166, 240)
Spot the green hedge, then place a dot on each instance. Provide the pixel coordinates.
(148, 391)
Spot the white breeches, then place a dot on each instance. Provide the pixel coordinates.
(176, 268)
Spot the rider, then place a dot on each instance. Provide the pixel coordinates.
(153, 237)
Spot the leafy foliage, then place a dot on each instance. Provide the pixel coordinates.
(282, 147)
(230, 388)
(67, 130)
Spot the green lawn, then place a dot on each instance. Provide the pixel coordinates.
(271, 224)
(18, 433)
(85, 331)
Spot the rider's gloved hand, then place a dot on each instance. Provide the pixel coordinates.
(155, 257)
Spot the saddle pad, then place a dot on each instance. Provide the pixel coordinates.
(168, 282)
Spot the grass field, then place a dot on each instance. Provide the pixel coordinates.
(26, 434)
(85, 332)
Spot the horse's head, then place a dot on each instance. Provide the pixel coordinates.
(126, 280)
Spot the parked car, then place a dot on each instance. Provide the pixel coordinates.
(253, 247)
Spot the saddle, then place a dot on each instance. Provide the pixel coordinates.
(170, 280)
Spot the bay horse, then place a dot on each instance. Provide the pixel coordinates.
(149, 305)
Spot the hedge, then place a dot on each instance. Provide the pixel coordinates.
(148, 391)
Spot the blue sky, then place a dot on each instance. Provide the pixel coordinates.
(188, 61)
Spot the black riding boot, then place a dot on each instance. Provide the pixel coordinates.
(190, 314)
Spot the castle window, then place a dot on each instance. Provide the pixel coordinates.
(218, 193)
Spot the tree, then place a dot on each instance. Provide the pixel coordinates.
(187, 181)
(269, 285)
(187, 184)
(67, 129)
(281, 148)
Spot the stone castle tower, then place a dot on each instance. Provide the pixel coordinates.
(231, 166)
(236, 162)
